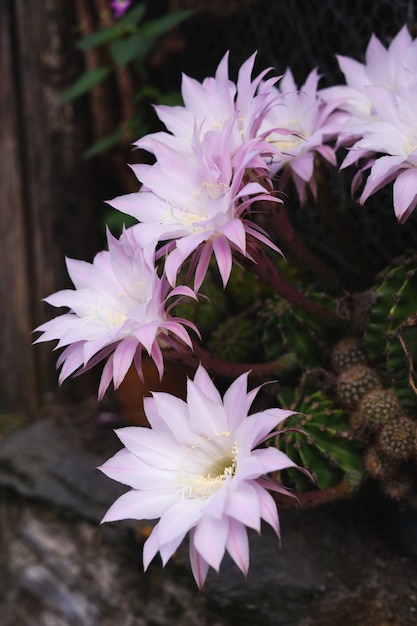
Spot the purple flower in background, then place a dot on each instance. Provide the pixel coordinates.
(198, 471)
(120, 7)
(117, 310)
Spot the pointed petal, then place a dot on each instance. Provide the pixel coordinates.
(223, 257)
(255, 427)
(199, 566)
(405, 194)
(272, 459)
(206, 416)
(105, 379)
(126, 468)
(205, 383)
(141, 505)
(156, 448)
(168, 549)
(235, 232)
(383, 171)
(210, 539)
(243, 505)
(164, 407)
(236, 402)
(150, 548)
(269, 511)
(183, 515)
(122, 359)
(237, 545)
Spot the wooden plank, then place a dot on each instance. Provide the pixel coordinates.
(17, 380)
(46, 204)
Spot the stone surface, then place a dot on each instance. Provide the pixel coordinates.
(52, 460)
(339, 564)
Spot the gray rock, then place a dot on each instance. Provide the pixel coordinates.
(45, 461)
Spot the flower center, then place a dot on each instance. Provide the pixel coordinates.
(194, 211)
(114, 314)
(114, 319)
(207, 466)
(286, 144)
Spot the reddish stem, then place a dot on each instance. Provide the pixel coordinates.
(320, 496)
(289, 237)
(264, 267)
(219, 367)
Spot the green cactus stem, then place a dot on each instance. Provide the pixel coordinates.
(324, 446)
(284, 327)
(233, 340)
(395, 302)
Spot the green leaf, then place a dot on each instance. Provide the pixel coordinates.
(103, 144)
(148, 92)
(134, 15)
(173, 98)
(125, 26)
(132, 48)
(117, 221)
(155, 28)
(102, 36)
(85, 83)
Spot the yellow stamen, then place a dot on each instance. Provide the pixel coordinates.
(220, 468)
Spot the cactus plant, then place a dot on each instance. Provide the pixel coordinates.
(376, 408)
(321, 442)
(233, 340)
(353, 383)
(283, 327)
(348, 352)
(395, 301)
(396, 439)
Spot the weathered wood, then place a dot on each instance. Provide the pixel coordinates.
(46, 206)
(16, 361)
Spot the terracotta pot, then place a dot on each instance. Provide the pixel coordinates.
(133, 390)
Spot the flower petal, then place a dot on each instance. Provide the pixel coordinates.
(141, 505)
(199, 566)
(405, 194)
(206, 530)
(237, 544)
(243, 505)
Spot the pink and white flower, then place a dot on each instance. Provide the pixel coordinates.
(209, 105)
(390, 68)
(199, 201)
(394, 136)
(376, 111)
(198, 471)
(117, 309)
(309, 125)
